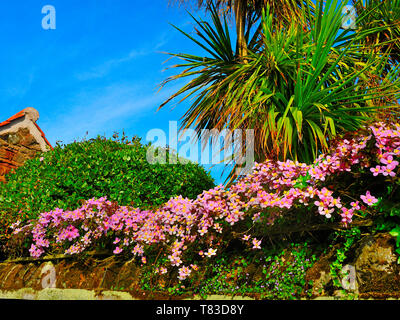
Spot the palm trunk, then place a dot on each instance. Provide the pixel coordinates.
(240, 8)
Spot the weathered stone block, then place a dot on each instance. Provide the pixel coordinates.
(375, 270)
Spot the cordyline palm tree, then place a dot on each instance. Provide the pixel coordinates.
(248, 12)
(298, 88)
(386, 16)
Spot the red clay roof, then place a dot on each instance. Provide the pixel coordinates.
(20, 115)
(14, 117)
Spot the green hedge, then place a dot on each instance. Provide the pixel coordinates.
(100, 167)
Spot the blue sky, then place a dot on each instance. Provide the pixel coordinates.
(98, 71)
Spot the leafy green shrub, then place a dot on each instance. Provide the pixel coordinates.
(99, 167)
(345, 239)
(273, 274)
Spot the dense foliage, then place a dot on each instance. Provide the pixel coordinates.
(274, 273)
(346, 184)
(306, 87)
(298, 86)
(70, 174)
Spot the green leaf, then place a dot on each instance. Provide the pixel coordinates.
(395, 232)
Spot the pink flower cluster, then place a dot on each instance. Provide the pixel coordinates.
(184, 272)
(182, 225)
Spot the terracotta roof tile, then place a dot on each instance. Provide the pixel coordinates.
(20, 115)
(14, 117)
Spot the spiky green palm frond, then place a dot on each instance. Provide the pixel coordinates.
(297, 88)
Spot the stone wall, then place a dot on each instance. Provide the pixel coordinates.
(15, 149)
(370, 270)
(84, 279)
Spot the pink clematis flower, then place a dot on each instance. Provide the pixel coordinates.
(347, 215)
(354, 205)
(256, 243)
(163, 270)
(117, 250)
(211, 252)
(325, 212)
(389, 161)
(377, 170)
(388, 170)
(368, 199)
(184, 272)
